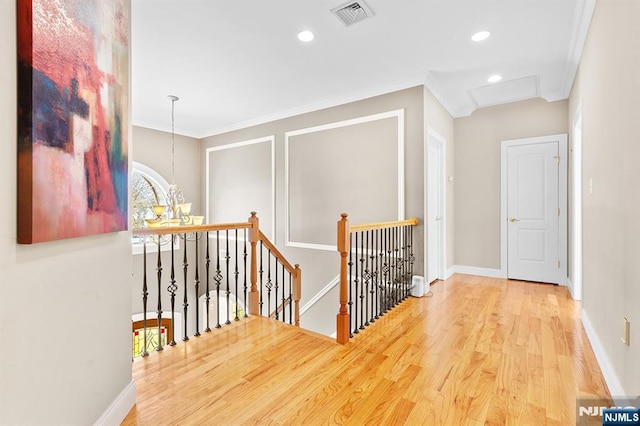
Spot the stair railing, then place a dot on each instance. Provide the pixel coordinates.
(376, 268)
(229, 267)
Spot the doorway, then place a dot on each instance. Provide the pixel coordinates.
(435, 207)
(534, 209)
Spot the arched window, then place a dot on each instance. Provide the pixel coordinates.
(148, 189)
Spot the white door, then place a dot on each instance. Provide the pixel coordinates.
(533, 215)
(435, 209)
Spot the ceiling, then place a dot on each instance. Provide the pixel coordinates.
(235, 63)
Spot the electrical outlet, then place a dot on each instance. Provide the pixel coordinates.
(626, 331)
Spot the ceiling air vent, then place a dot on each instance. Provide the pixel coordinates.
(351, 12)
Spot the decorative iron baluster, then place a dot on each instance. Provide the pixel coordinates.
(269, 284)
(218, 279)
(412, 258)
(145, 295)
(391, 270)
(366, 276)
(356, 283)
(260, 272)
(362, 289)
(185, 303)
(290, 299)
(237, 273)
(383, 269)
(376, 276)
(228, 291)
(245, 275)
(284, 287)
(197, 285)
(396, 259)
(159, 310)
(207, 297)
(350, 303)
(172, 289)
(275, 300)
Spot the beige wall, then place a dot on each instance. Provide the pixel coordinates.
(608, 86)
(320, 267)
(477, 165)
(64, 308)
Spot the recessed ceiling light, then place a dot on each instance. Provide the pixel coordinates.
(494, 78)
(481, 35)
(306, 36)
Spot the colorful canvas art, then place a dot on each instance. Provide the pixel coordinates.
(73, 79)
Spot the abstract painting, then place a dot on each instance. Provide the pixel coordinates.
(73, 98)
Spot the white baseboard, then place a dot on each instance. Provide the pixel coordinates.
(473, 270)
(615, 387)
(449, 272)
(570, 287)
(119, 408)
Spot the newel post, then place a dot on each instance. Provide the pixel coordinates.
(297, 293)
(343, 320)
(254, 235)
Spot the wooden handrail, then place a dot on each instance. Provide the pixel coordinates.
(164, 230)
(382, 225)
(268, 244)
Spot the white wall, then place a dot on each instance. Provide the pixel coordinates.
(608, 86)
(65, 306)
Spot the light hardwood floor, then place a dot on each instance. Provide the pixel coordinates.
(479, 351)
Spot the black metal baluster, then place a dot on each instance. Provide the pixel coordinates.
(172, 289)
(290, 299)
(185, 303)
(389, 303)
(382, 274)
(362, 289)
(376, 276)
(412, 258)
(207, 297)
(372, 272)
(237, 273)
(145, 295)
(366, 276)
(275, 300)
(350, 303)
(228, 291)
(269, 283)
(159, 310)
(356, 328)
(245, 275)
(398, 264)
(196, 280)
(260, 272)
(284, 287)
(218, 279)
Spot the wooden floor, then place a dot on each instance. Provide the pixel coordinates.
(480, 351)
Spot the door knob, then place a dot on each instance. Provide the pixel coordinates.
(513, 219)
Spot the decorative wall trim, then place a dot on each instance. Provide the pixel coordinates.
(399, 114)
(474, 270)
(120, 407)
(315, 299)
(615, 387)
(266, 139)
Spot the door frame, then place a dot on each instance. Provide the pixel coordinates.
(441, 141)
(561, 139)
(575, 283)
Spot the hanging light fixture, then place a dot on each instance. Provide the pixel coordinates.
(177, 207)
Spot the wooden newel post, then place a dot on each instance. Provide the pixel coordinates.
(297, 294)
(343, 320)
(254, 235)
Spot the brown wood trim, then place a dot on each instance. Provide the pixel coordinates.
(164, 230)
(381, 225)
(277, 254)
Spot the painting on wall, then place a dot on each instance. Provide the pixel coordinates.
(73, 80)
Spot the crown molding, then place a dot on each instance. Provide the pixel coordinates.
(582, 21)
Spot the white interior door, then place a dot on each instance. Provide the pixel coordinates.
(533, 215)
(435, 208)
